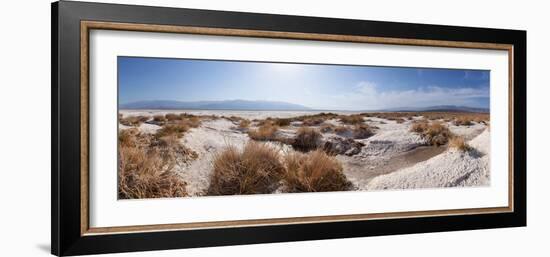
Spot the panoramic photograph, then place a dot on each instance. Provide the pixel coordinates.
(189, 128)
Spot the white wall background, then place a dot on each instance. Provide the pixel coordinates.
(25, 127)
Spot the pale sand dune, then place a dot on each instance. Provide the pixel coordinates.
(452, 168)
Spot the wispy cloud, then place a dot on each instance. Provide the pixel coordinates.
(368, 96)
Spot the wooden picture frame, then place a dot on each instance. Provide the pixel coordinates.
(71, 25)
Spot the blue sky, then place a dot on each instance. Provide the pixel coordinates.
(328, 87)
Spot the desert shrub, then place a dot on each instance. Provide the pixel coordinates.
(351, 119)
(244, 124)
(265, 132)
(132, 138)
(435, 133)
(127, 137)
(419, 127)
(459, 143)
(306, 139)
(314, 121)
(133, 121)
(192, 122)
(176, 129)
(146, 165)
(326, 128)
(266, 121)
(400, 120)
(438, 134)
(185, 115)
(361, 131)
(481, 119)
(171, 116)
(323, 116)
(313, 172)
(463, 121)
(159, 118)
(144, 173)
(254, 170)
(282, 122)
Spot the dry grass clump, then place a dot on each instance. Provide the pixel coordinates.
(192, 122)
(281, 122)
(265, 132)
(388, 115)
(352, 119)
(171, 117)
(315, 121)
(399, 120)
(314, 172)
(145, 174)
(176, 125)
(419, 127)
(322, 115)
(256, 169)
(159, 119)
(459, 143)
(361, 131)
(306, 139)
(176, 129)
(244, 124)
(133, 121)
(481, 120)
(185, 115)
(463, 121)
(127, 137)
(145, 166)
(436, 133)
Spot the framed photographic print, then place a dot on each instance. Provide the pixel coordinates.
(177, 128)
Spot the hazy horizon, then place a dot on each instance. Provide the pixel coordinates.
(316, 86)
(308, 108)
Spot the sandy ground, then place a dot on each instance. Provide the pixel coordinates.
(450, 169)
(393, 158)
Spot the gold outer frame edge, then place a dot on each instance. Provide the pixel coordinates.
(86, 26)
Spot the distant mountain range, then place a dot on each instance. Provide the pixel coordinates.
(274, 106)
(216, 105)
(439, 108)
